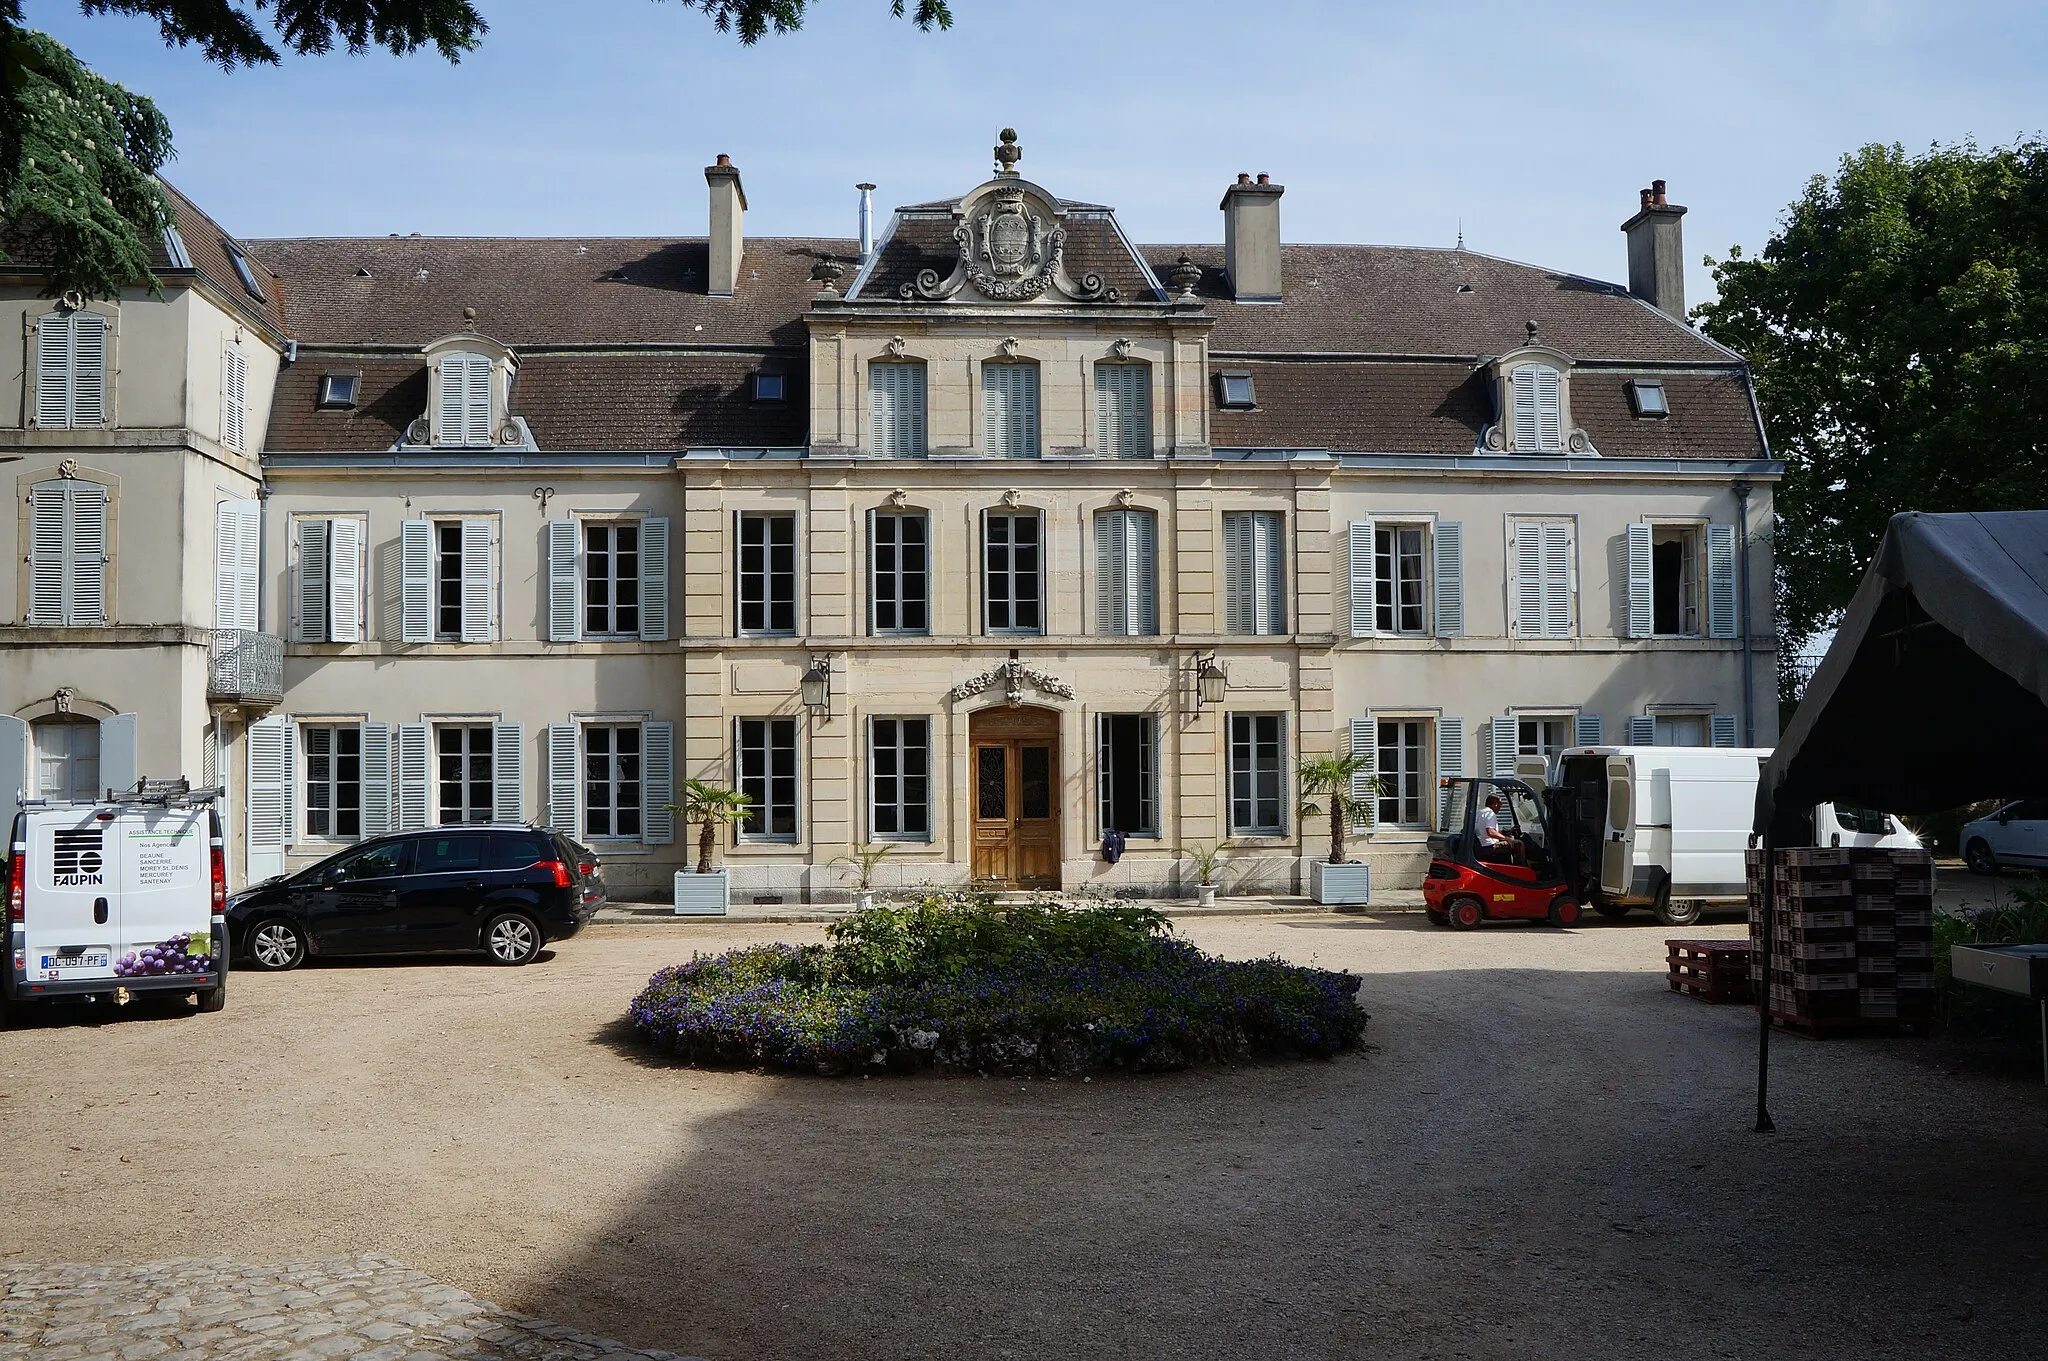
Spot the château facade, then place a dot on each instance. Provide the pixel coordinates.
(980, 539)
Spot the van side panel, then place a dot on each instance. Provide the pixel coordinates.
(1712, 807)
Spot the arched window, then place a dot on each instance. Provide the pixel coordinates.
(1536, 396)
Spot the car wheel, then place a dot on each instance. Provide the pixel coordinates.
(276, 944)
(1439, 918)
(1676, 911)
(1614, 912)
(1465, 912)
(513, 938)
(1564, 910)
(1977, 855)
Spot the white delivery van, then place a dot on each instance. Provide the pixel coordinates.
(115, 898)
(1666, 827)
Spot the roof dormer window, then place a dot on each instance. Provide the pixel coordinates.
(463, 401)
(1533, 395)
(1536, 393)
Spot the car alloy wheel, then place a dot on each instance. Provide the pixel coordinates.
(512, 939)
(1977, 855)
(276, 946)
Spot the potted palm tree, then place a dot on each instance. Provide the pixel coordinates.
(1343, 787)
(706, 892)
(862, 865)
(1207, 863)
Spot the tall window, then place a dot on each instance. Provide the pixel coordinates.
(71, 370)
(896, 409)
(767, 764)
(67, 759)
(1126, 572)
(463, 773)
(1011, 566)
(67, 553)
(1544, 737)
(1127, 771)
(1404, 778)
(1675, 580)
(334, 780)
(1257, 782)
(448, 579)
(465, 400)
(1009, 409)
(899, 778)
(1681, 730)
(1545, 578)
(897, 557)
(767, 572)
(611, 579)
(1123, 410)
(1398, 581)
(1254, 572)
(1536, 395)
(611, 779)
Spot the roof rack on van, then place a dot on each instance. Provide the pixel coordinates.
(177, 793)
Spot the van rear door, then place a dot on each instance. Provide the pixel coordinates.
(166, 879)
(1618, 841)
(1713, 804)
(71, 909)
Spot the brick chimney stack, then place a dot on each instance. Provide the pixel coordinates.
(1656, 252)
(1251, 238)
(728, 231)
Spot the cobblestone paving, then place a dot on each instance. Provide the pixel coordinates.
(368, 1308)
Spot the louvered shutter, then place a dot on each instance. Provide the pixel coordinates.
(1522, 394)
(87, 574)
(53, 370)
(416, 581)
(233, 397)
(1112, 577)
(1549, 408)
(1147, 571)
(119, 764)
(1365, 742)
(508, 772)
(657, 783)
(896, 398)
(49, 552)
(376, 795)
(1448, 545)
(1362, 573)
(1586, 730)
(476, 401)
(313, 554)
(413, 776)
(1722, 727)
(654, 573)
(1238, 609)
(449, 393)
(477, 581)
(564, 594)
(1642, 616)
(1642, 730)
(266, 805)
(345, 580)
(1123, 410)
(1009, 409)
(1557, 580)
(1504, 740)
(88, 370)
(1721, 601)
(237, 549)
(1255, 572)
(562, 782)
(1528, 543)
(1450, 761)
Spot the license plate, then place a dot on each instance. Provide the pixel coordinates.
(56, 966)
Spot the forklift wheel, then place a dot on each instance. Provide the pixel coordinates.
(1465, 912)
(1564, 910)
(1439, 918)
(1614, 912)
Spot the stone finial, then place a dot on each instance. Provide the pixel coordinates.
(1531, 329)
(1183, 277)
(1008, 153)
(826, 274)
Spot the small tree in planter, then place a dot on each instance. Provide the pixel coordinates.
(1332, 783)
(863, 863)
(707, 805)
(1207, 863)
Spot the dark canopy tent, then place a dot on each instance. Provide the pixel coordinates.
(1934, 693)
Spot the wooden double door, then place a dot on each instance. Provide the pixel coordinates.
(1014, 777)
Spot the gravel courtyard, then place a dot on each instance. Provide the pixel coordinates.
(1541, 1154)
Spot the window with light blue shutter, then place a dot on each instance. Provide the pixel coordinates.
(1364, 741)
(1721, 583)
(1009, 409)
(1126, 573)
(71, 370)
(1448, 587)
(1639, 606)
(1361, 576)
(67, 553)
(1254, 572)
(896, 409)
(1723, 729)
(1536, 399)
(1586, 730)
(1123, 410)
(1642, 730)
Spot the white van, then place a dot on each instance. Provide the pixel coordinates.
(118, 897)
(1666, 827)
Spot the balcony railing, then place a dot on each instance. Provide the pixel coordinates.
(246, 667)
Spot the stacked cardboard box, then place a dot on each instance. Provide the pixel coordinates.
(1854, 938)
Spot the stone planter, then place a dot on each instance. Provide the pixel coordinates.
(863, 899)
(1205, 895)
(1340, 885)
(703, 895)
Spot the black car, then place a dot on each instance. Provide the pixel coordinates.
(504, 890)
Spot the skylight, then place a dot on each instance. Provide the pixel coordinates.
(1234, 389)
(338, 391)
(1647, 398)
(770, 387)
(242, 271)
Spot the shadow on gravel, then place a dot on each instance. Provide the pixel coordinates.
(1527, 1163)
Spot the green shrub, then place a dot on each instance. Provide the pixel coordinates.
(2023, 921)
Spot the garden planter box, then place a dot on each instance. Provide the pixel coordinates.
(1340, 885)
(703, 895)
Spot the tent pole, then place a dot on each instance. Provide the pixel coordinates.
(1763, 1011)
(1748, 641)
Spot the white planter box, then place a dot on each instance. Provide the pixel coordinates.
(1340, 885)
(703, 895)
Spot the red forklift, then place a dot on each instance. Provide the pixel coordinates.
(1462, 889)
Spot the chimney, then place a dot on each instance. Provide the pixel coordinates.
(867, 219)
(1656, 252)
(728, 234)
(1251, 238)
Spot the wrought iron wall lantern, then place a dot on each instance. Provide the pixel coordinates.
(1211, 680)
(817, 685)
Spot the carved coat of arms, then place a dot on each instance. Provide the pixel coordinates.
(1008, 252)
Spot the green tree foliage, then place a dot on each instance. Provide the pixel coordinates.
(78, 154)
(1898, 329)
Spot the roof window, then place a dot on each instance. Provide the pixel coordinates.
(338, 391)
(1234, 389)
(1647, 398)
(174, 248)
(771, 387)
(243, 272)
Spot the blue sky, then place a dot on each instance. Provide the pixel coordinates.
(1534, 125)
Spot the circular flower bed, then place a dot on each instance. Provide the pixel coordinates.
(954, 981)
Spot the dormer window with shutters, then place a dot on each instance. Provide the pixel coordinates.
(469, 386)
(71, 362)
(1533, 397)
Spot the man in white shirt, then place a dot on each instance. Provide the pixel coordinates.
(1494, 844)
